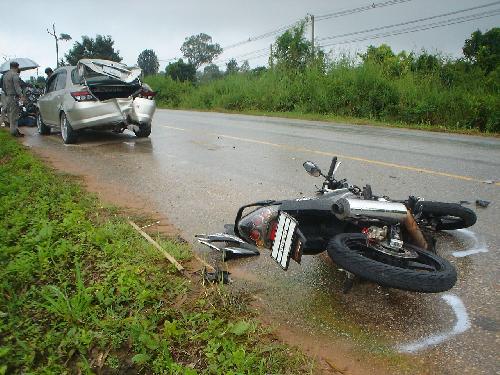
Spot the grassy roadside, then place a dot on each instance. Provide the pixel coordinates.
(80, 292)
(334, 119)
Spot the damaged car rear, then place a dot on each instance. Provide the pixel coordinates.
(96, 94)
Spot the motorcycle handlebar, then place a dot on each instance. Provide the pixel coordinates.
(332, 167)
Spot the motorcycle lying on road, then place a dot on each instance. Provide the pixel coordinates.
(388, 242)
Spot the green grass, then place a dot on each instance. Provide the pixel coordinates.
(81, 292)
(458, 101)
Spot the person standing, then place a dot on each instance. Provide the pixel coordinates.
(49, 72)
(13, 93)
(3, 116)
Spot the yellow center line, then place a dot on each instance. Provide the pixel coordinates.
(355, 158)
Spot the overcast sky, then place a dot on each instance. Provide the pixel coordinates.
(163, 25)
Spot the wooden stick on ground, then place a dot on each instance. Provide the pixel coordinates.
(155, 244)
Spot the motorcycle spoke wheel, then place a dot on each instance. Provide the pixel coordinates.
(427, 272)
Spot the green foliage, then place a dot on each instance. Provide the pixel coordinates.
(148, 62)
(102, 47)
(291, 49)
(181, 71)
(484, 49)
(80, 292)
(211, 72)
(408, 88)
(232, 66)
(199, 49)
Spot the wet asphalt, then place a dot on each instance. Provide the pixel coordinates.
(198, 168)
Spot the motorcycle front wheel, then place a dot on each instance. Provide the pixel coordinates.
(446, 216)
(426, 272)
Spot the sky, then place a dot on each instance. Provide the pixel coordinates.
(163, 25)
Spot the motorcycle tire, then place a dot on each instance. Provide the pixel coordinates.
(446, 216)
(428, 273)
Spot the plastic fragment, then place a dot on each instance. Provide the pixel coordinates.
(482, 203)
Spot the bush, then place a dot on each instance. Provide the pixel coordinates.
(454, 94)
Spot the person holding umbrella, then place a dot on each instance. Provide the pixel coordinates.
(11, 87)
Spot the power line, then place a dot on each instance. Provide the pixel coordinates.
(364, 8)
(341, 13)
(240, 56)
(413, 29)
(410, 22)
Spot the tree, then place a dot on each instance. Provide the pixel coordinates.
(199, 49)
(62, 36)
(211, 72)
(292, 50)
(181, 71)
(483, 50)
(148, 62)
(245, 67)
(232, 67)
(99, 48)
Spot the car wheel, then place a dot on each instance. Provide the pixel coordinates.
(144, 131)
(68, 134)
(42, 128)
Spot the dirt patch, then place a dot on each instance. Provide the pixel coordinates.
(5, 159)
(129, 204)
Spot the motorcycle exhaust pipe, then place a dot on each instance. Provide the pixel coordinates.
(390, 211)
(352, 207)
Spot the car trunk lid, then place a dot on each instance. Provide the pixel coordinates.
(111, 69)
(108, 79)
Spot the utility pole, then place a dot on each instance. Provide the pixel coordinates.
(312, 33)
(271, 56)
(57, 39)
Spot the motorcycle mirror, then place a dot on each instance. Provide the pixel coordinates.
(312, 169)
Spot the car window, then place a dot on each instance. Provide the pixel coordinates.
(51, 84)
(61, 80)
(75, 77)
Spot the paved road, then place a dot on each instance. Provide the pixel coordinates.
(197, 168)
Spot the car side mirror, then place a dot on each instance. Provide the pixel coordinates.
(312, 169)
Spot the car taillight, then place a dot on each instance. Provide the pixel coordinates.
(83, 96)
(147, 94)
(260, 226)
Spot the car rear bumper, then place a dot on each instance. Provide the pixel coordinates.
(109, 113)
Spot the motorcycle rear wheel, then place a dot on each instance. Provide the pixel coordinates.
(428, 273)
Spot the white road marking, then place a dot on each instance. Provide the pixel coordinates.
(462, 324)
(478, 246)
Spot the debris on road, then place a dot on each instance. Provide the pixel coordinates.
(167, 255)
(218, 276)
(482, 203)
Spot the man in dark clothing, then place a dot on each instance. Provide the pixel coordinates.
(49, 72)
(11, 86)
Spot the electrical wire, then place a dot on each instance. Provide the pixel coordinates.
(409, 22)
(452, 21)
(364, 8)
(322, 17)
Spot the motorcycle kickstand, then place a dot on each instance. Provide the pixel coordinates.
(349, 281)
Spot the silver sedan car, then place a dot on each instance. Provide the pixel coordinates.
(96, 94)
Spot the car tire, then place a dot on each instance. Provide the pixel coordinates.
(144, 131)
(42, 128)
(69, 135)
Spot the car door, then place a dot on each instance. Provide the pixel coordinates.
(45, 101)
(57, 96)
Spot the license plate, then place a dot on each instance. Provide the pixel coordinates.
(282, 246)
